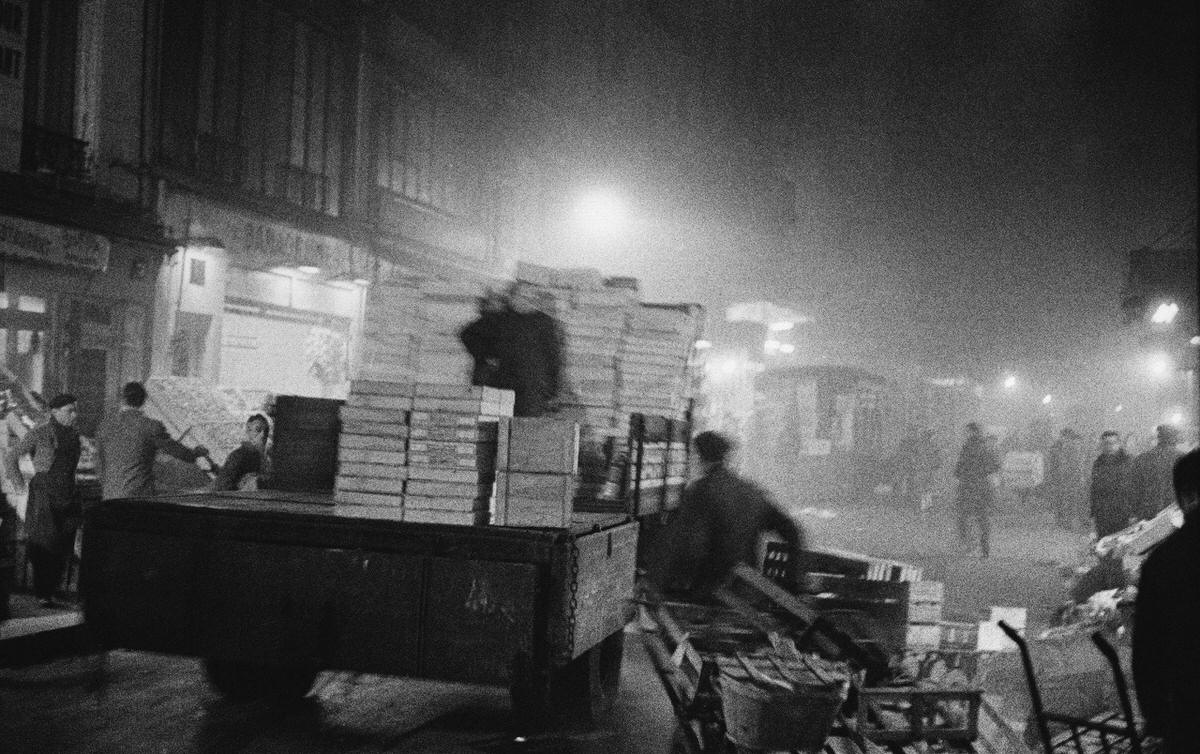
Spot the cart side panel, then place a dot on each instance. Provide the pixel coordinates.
(607, 562)
(138, 591)
(331, 608)
(479, 616)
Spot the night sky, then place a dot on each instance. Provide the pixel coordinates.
(970, 177)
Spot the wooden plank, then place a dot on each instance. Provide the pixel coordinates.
(458, 518)
(373, 470)
(484, 431)
(366, 455)
(392, 402)
(430, 488)
(393, 442)
(370, 484)
(444, 474)
(352, 497)
(444, 419)
(381, 388)
(384, 416)
(422, 502)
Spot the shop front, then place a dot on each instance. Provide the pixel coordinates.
(255, 305)
(74, 311)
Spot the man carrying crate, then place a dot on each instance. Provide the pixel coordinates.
(718, 525)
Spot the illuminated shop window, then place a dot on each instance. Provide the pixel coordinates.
(31, 304)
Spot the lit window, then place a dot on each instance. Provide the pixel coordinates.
(30, 304)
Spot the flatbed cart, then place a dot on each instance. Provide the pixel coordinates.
(758, 631)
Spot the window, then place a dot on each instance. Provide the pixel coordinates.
(430, 151)
(256, 98)
(196, 272)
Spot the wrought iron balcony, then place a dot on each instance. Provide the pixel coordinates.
(50, 153)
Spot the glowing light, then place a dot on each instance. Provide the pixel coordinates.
(1119, 408)
(361, 281)
(1159, 365)
(1046, 399)
(771, 346)
(702, 345)
(787, 348)
(1195, 340)
(1010, 382)
(308, 269)
(1165, 313)
(1176, 418)
(600, 213)
(782, 326)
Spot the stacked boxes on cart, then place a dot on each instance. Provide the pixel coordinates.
(621, 357)
(537, 463)
(453, 454)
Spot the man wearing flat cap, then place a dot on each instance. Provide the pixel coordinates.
(53, 501)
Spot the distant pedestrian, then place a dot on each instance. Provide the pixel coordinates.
(249, 465)
(53, 504)
(127, 444)
(1067, 479)
(1109, 504)
(1150, 476)
(977, 463)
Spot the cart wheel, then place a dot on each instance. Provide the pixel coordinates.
(244, 681)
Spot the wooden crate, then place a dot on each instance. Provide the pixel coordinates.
(542, 445)
(304, 453)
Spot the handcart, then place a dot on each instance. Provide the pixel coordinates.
(1111, 733)
(761, 670)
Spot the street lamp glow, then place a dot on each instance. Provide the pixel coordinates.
(787, 348)
(1120, 407)
(308, 269)
(1165, 313)
(1195, 340)
(600, 213)
(1010, 382)
(1176, 418)
(703, 345)
(1159, 365)
(1046, 399)
(781, 326)
(771, 346)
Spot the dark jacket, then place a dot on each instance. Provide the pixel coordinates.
(716, 527)
(976, 462)
(1166, 651)
(247, 458)
(53, 497)
(1110, 505)
(522, 353)
(127, 444)
(1151, 482)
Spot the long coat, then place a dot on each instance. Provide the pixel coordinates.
(1109, 500)
(53, 498)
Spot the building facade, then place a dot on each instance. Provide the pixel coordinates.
(210, 188)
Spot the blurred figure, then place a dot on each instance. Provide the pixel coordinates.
(977, 462)
(491, 305)
(1166, 652)
(718, 525)
(1066, 480)
(127, 444)
(53, 498)
(926, 461)
(1109, 499)
(524, 345)
(249, 465)
(1150, 475)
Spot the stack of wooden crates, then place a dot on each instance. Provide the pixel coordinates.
(453, 454)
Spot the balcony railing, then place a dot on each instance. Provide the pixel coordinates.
(50, 153)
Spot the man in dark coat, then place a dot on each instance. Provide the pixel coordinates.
(53, 504)
(1109, 498)
(1166, 650)
(127, 444)
(717, 525)
(522, 349)
(977, 461)
(1150, 476)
